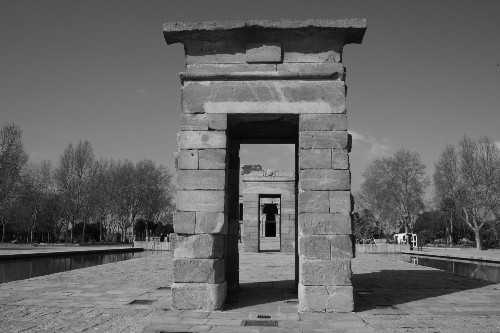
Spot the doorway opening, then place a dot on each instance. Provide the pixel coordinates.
(270, 222)
(267, 207)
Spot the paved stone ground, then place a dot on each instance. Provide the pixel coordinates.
(391, 296)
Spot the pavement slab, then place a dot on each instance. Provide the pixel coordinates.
(390, 296)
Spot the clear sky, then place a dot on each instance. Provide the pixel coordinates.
(427, 73)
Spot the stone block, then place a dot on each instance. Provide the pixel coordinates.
(287, 210)
(324, 180)
(323, 122)
(187, 159)
(340, 159)
(326, 298)
(198, 296)
(267, 52)
(250, 248)
(317, 48)
(325, 224)
(200, 201)
(199, 270)
(341, 246)
(314, 247)
(313, 202)
(335, 272)
(201, 246)
(201, 179)
(340, 201)
(323, 139)
(203, 122)
(212, 159)
(213, 52)
(210, 223)
(230, 68)
(264, 96)
(184, 222)
(312, 68)
(250, 215)
(315, 159)
(202, 139)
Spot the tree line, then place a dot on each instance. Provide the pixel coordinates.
(81, 199)
(465, 208)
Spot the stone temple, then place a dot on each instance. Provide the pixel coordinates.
(273, 82)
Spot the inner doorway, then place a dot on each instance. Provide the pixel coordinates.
(269, 222)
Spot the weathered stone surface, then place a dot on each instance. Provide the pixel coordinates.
(267, 52)
(325, 179)
(203, 122)
(201, 179)
(314, 247)
(326, 298)
(313, 202)
(341, 246)
(199, 270)
(200, 246)
(323, 139)
(212, 159)
(228, 68)
(210, 223)
(184, 222)
(187, 159)
(323, 122)
(340, 201)
(198, 296)
(324, 224)
(340, 159)
(335, 272)
(202, 139)
(214, 52)
(264, 97)
(200, 201)
(297, 67)
(315, 159)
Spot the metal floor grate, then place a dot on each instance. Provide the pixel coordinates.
(261, 323)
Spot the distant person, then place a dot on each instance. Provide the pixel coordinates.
(162, 238)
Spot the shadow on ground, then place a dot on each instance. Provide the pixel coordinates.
(262, 293)
(386, 288)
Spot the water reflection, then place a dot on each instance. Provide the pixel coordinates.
(473, 269)
(19, 269)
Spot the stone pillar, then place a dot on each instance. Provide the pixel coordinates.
(200, 221)
(325, 247)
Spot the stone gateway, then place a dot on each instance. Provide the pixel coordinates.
(278, 82)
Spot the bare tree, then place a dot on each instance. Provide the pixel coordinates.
(37, 185)
(394, 188)
(73, 178)
(12, 159)
(478, 165)
(446, 174)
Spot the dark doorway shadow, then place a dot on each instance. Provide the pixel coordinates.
(274, 294)
(387, 288)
